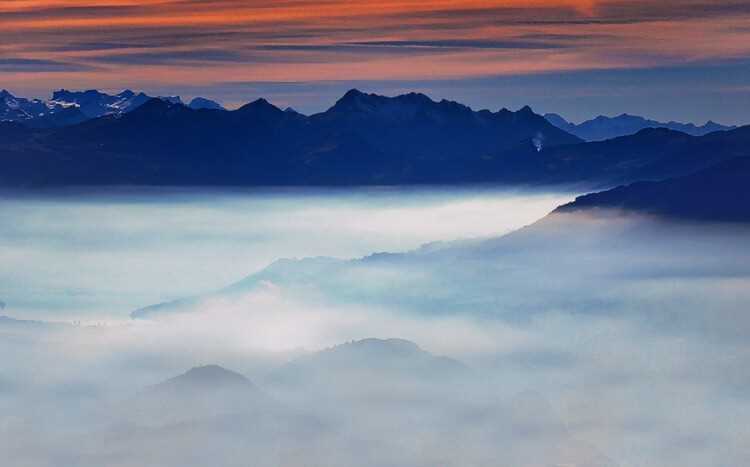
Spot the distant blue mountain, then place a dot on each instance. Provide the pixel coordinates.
(37, 113)
(94, 103)
(67, 108)
(364, 139)
(602, 128)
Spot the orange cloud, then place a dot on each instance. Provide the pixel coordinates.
(202, 41)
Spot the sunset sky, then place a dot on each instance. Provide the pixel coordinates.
(667, 59)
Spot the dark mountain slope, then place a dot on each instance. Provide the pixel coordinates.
(720, 193)
(61, 118)
(158, 143)
(412, 139)
(650, 154)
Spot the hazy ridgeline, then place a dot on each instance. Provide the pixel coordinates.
(585, 339)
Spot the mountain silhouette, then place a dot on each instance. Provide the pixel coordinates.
(203, 103)
(362, 139)
(602, 128)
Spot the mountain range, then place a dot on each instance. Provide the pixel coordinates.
(602, 127)
(651, 154)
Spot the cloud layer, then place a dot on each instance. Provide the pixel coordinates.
(588, 341)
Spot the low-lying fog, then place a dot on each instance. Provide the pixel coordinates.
(96, 255)
(589, 340)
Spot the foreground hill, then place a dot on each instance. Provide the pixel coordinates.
(720, 194)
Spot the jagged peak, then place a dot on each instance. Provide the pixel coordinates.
(352, 94)
(353, 98)
(260, 104)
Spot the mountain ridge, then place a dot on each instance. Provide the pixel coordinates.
(362, 139)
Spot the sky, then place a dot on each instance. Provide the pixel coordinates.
(685, 60)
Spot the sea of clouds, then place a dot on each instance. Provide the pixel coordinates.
(585, 339)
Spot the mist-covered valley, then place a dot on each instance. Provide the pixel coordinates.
(303, 233)
(368, 327)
